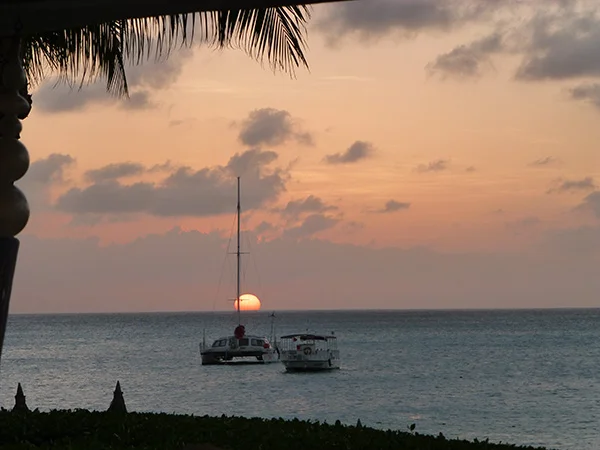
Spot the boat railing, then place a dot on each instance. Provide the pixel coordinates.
(291, 344)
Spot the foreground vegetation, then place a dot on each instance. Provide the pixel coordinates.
(82, 429)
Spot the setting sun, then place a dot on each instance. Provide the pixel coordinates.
(248, 302)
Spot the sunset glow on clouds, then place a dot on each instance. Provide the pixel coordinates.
(439, 154)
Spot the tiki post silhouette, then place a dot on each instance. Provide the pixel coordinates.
(117, 405)
(14, 161)
(20, 404)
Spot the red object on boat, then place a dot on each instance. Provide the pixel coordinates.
(266, 345)
(239, 332)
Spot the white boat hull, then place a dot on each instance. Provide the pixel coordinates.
(310, 366)
(298, 362)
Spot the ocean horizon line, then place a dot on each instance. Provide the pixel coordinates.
(304, 311)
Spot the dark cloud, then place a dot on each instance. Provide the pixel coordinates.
(558, 41)
(591, 203)
(356, 152)
(271, 127)
(143, 80)
(251, 162)
(370, 20)
(264, 227)
(562, 45)
(43, 175)
(312, 225)
(467, 61)
(50, 170)
(114, 171)
(376, 18)
(60, 99)
(184, 192)
(311, 204)
(543, 162)
(394, 206)
(588, 93)
(583, 184)
(554, 39)
(434, 166)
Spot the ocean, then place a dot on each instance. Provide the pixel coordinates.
(525, 377)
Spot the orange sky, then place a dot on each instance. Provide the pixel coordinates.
(373, 86)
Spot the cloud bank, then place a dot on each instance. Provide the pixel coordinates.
(184, 267)
(183, 192)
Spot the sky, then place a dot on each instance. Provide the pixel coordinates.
(437, 154)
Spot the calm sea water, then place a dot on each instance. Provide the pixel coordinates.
(525, 377)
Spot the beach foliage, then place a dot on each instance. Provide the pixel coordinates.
(82, 429)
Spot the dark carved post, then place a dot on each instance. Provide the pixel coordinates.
(15, 105)
(20, 404)
(117, 405)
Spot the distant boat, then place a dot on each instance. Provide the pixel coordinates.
(239, 347)
(304, 352)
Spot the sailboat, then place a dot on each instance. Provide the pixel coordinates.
(239, 347)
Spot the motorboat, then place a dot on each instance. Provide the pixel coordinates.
(305, 352)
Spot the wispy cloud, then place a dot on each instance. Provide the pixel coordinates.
(433, 166)
(591, 203)
(347, 78)
(392, 206)
(543, 162)
(356, 152)
(583, 184)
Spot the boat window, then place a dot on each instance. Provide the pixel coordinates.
(243, 342)
(258, 342)
(216, 343)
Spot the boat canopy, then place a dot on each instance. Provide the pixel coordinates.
(308, 337)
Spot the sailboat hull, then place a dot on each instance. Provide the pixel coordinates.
(224, 358)
(229, 351)
(239, 359)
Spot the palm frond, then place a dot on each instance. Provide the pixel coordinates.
(84, 54)
(274, 33)
(99, 52)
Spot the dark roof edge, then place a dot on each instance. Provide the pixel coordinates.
(36, 16)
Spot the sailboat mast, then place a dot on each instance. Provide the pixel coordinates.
(239, 211)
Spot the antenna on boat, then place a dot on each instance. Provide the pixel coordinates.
(273, 337)
(239, 211)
